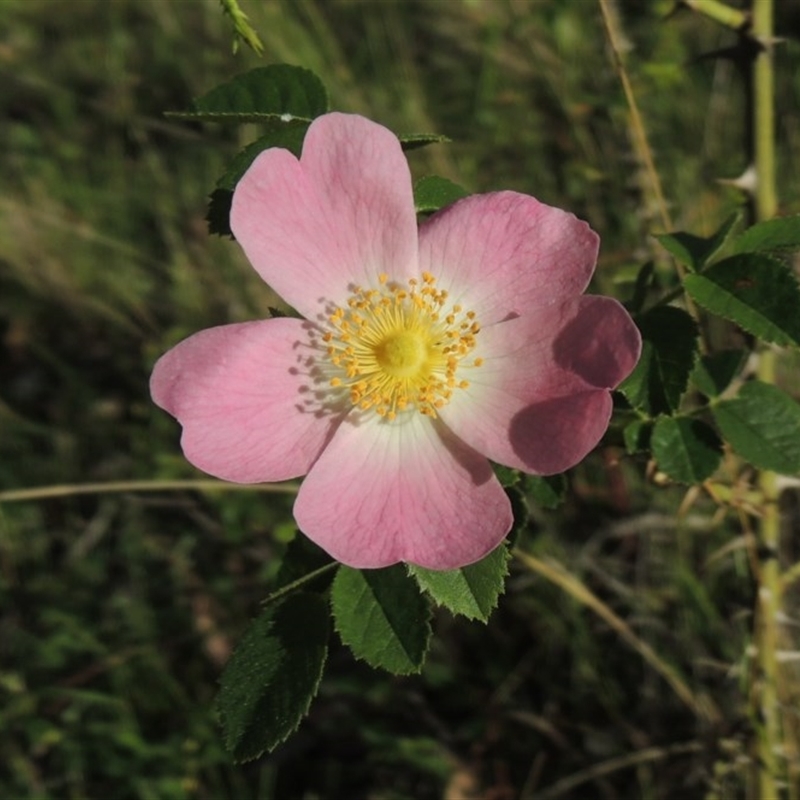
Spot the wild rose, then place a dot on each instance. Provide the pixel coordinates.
(424, 351)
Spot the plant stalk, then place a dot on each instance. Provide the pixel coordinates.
(719, 12)
(766, 202)
(771, 764)
(125, 487)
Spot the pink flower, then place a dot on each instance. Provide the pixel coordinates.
(424, 352)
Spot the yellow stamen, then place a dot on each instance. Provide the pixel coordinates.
(400, 347)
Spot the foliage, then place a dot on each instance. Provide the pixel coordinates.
(119, 610)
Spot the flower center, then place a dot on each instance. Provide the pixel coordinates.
(402, 354)
(400, 347)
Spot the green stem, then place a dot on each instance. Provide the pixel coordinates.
(771, 739)
(768, 641)
(299, 583)
(766, 203)
(719, 12)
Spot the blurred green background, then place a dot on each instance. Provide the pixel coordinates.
(118, 610)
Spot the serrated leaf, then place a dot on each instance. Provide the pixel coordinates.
(432, 193)
(669, 352)
(697, 251)
(382, 617)
(547, 491)
(519, 511)
(636, 436)
(218, 215)
(411, 141)
(756, 292)
(713, 374)
(762, 424)
(277, 93)
(506, 475)
(471, 591)
(644, 280)
(688, 450)
(781, 233)
(273, 675)
(302, 557)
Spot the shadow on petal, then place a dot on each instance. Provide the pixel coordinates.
(476, 465)
(600, 344)
(554, 435)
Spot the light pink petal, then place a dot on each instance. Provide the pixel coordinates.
(541, 400)
(502, 253)
(343, 214)
(405, 491)
(244, 397)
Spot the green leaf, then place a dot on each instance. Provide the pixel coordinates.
(781, 233)
(688, 450)
(669, 351)
(756, 292)
(644, 281)
(762, 424)
(302, 558)
(219, 212)
(519, 511)
(432, 193)
(713, 374)
(471, 591)
(697, 251)
(278, 93)
(411, 141)
(547, 491)
(382, 617)
(637, 436)
(273, 675)
(506, 475)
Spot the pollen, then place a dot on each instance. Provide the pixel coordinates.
(400, 347)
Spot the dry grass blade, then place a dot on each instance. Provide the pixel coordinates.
(119, 487)
(562, 787)
(702, 707)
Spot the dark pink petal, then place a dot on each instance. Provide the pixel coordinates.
(405, 491)
(243, 396)
(341, 215)
(502, 253)
(541, 400)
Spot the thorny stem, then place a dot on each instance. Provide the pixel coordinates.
(770, 742)
(764, 111)
(771, 745)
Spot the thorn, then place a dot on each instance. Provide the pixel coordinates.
(746, 182)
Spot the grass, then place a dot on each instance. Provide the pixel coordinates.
(118, 610)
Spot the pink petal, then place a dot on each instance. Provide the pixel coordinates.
(343, 214)
(502, 253)
(242, 394)
(404, 491)
(541, 400)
